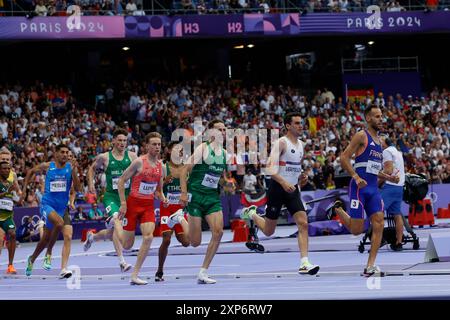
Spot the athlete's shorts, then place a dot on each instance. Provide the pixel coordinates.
(7, 224)
(45, 211)
(277, 197)
(111, 203)
(165, 212)
(392, 197)
(201, 205)
(137, 209)
(367, 199)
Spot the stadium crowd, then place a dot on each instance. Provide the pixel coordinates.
(143, 7)
(34, 119)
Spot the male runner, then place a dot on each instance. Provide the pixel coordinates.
(58, 182)
(67, 230)
(6, 211)
(363, 188)
(205, 168)
(6, 155)
(285, 167)
(172, 192)
(147, 181)
(114, 163)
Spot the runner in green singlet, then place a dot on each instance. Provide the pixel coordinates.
(113, 163)
(205, 168)
(6, 211)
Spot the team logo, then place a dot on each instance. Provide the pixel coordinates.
(108, 209)
(164, 220)
(354, 204)
(124, 222)
(292, 151)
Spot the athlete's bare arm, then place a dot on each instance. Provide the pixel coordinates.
(355, 145)
(43, 167)
(196, 158)
(159, 192)
(100, 162)
(134, 168)
(75, 177)
(16, 186)
(273, 166)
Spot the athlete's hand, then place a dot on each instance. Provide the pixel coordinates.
(288, 187)
(394, 179)
(122, 211)
(361, 183)
(168, 179)
(184, 199)
(165, 202)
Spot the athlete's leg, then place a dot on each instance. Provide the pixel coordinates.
(183, 239)
(377, 220)
(147, 229)
(267, 226)
(50, 235)
(67, 234)
(195, 230)
(163, 250)
(2, 237)
(355, 226)
(215, 222)
(301, 220)
(11, 245)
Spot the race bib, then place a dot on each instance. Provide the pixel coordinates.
(210, 181)
(373, 167)
(174, 198)
(58, 186)
(115, 182)
(6, 204)
(293, 169)
(147, 187)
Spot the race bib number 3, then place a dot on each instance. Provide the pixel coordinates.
(58, 186)
(210, 181)
(115, 183)
(147, 188)
(373, 167)
(6, 204)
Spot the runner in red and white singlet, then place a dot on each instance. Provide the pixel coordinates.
(146, 184)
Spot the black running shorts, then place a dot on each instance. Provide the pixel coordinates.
(277, 197)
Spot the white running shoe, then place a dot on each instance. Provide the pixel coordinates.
(138, 282)
(124, 267)
(65, 274)
(203, 278)
(308, 268)
(89, 241)
(174, 218)
(109, 222)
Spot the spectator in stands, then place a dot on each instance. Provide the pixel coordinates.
(187, 6)
(250, 182)
(139, 11)
(95, 213)
(131, 7)
(41, 9)
(80, 215)
(25, 231)
(265, 6)
(90, 198)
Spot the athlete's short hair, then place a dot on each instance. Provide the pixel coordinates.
(288, 117)
(61, 146)
(212, 123)
(369, 109)
(152, 135)
(120, 131)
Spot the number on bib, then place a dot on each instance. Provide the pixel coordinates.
(147, 188)
(115, 183)
(6, 204)
(210, 181)
(58, 186)
(373, 167)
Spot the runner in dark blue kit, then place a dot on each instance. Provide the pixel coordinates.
(363, 189)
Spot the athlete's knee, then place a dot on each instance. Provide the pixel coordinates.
(147, 238)
(195, 243)
(12, 234)
(268, 231)
(217, 234)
